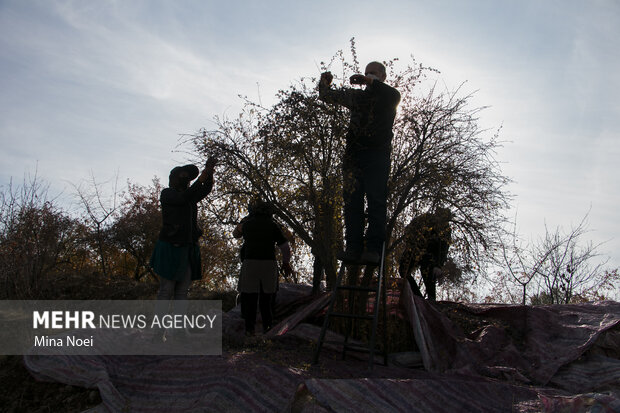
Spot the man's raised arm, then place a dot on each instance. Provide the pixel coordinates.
(345, 97)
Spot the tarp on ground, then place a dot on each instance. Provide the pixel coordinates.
(571, 349)
(442, 395)
(173, 383)
(521, 359)
(574, 347)
(529, 344)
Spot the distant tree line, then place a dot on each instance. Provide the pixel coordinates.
(112, 235)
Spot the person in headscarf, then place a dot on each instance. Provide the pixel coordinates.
(176, 257)
(259, 269)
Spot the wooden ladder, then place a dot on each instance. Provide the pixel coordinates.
(380, 297)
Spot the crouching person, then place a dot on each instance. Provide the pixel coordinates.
(259, 269)
(427, 238)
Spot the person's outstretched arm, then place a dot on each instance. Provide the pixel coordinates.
(204, 184)
(345, 96)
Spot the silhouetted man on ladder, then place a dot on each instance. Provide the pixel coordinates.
(366, 168)
(366, 163)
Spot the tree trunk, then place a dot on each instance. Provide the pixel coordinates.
(317, 275)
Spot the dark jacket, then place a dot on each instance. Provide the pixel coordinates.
(428, 238)
(372, 114)
(180, 213)
(260, 235)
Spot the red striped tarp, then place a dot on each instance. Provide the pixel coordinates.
(526, 359)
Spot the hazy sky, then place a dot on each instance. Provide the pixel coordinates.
(107, 86)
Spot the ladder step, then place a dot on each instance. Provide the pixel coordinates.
(356, 347)
(357, 288)
(335, 342)
(347, 315)
(349, 346)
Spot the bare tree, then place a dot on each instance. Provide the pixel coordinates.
(98, 212)
(137, 223)
(36, 238)
(559, 266)
(569, 268)
(522, 263)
